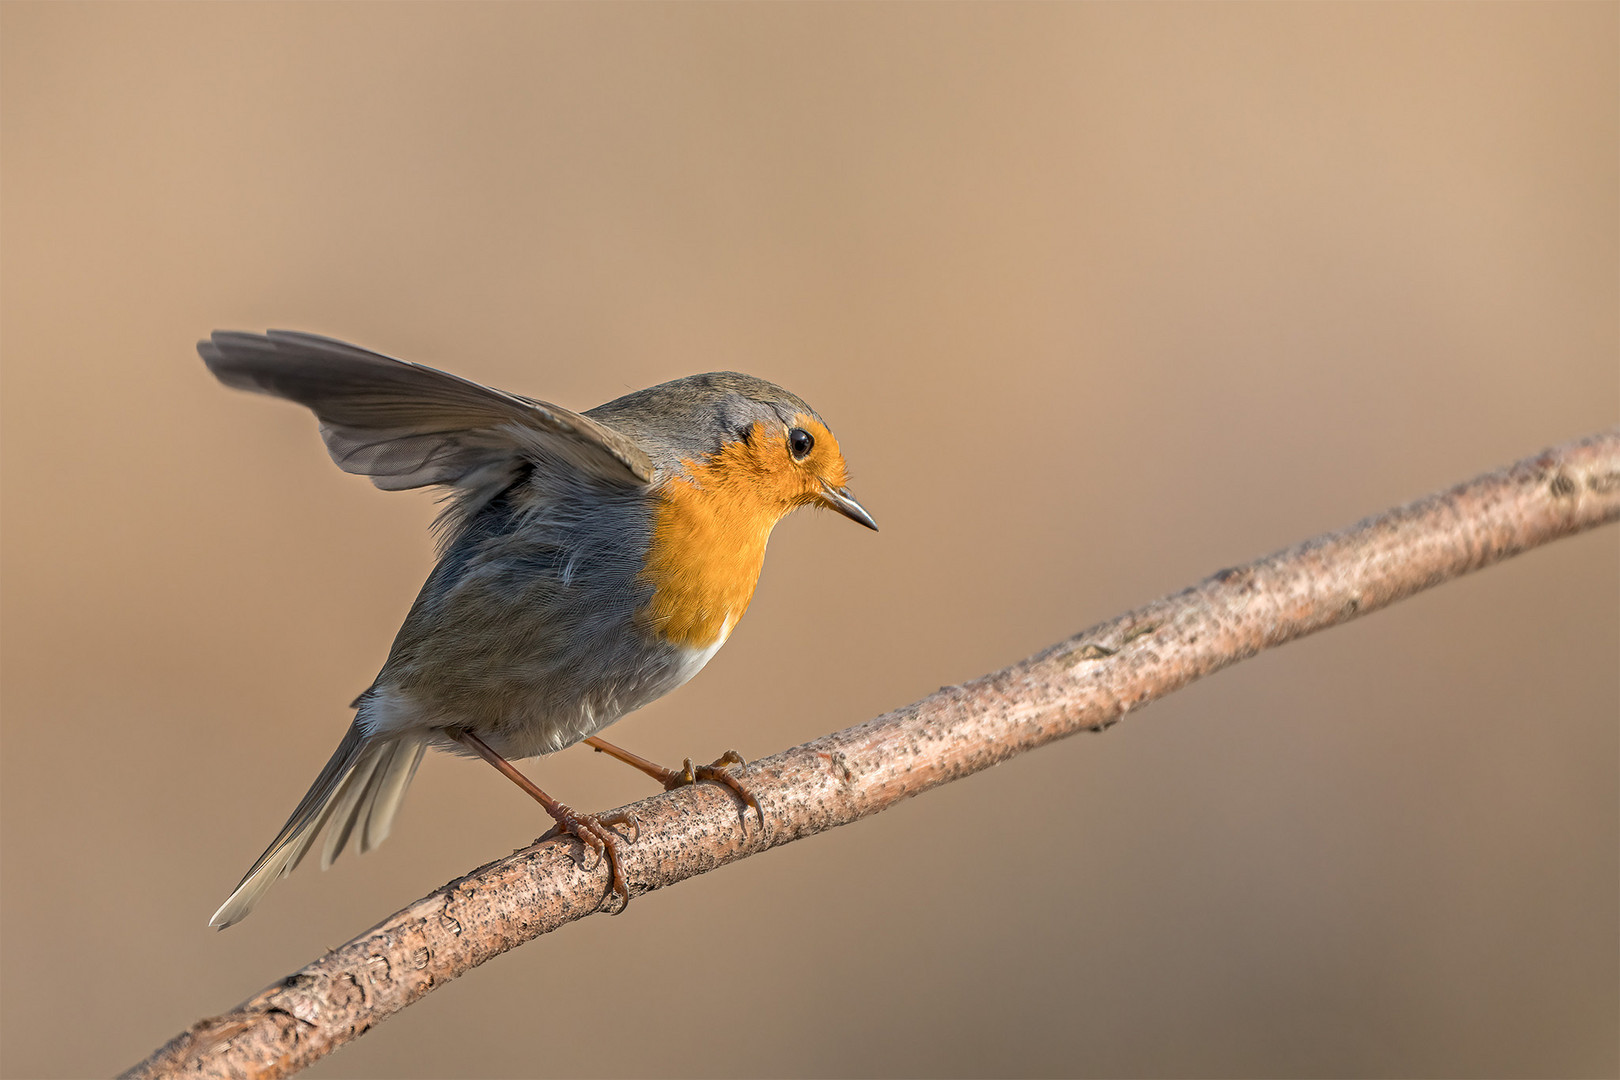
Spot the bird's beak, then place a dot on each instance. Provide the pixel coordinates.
(842, 501)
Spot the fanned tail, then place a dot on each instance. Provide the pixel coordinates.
(362, 785)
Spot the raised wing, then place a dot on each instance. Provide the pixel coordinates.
(408, 426)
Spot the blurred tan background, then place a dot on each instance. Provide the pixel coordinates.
(1098, 298)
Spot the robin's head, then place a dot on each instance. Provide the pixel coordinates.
(740, 438)
(734, 454)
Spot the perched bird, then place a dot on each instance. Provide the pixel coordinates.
(589, 563)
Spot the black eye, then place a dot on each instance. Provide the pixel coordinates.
(800, 443)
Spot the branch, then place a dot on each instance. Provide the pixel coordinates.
(1086, 683)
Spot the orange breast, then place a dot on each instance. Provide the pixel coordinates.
(709, 535)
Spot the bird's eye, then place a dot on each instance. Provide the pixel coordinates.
(800, 443)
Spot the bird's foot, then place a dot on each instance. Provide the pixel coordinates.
(593, 831)
(719, 772)
(590, 830)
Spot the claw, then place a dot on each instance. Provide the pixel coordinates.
(592, 832)
(689, 774)
(626, 818)
(717, 772)
(738, 788)
(680, 779)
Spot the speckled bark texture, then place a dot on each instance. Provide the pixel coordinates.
(1084, 684)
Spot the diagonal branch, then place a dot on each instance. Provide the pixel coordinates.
(1085, 683)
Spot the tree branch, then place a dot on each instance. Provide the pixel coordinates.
(1086, 683)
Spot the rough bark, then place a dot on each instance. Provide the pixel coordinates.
(1086, 683)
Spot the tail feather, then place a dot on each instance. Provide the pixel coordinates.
(363, 783)
(350, 800)
(371, 795)
(391, 785)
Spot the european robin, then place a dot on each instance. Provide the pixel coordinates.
(589, 563)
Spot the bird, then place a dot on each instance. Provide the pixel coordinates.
(588, 564)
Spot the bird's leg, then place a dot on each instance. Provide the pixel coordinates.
(691, 774)
(590, 829)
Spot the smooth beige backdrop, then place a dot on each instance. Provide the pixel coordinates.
(1099, 299)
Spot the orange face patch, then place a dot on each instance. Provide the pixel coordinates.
(711, 526)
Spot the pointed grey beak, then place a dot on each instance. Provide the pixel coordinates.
(842, 501)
